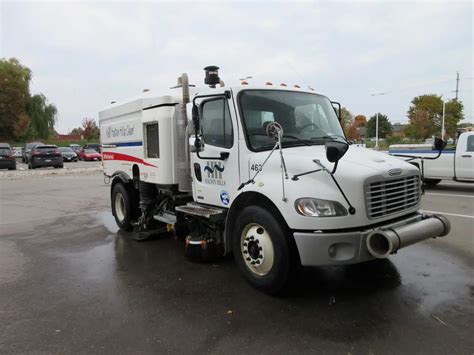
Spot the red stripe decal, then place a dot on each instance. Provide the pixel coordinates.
(124, 157)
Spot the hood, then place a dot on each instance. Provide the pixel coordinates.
(354, 169)
(357, 162)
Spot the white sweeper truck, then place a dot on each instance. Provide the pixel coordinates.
(260, 171)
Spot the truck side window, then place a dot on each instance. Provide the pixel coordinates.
(216, 124)
(470, 144)
(152, 141)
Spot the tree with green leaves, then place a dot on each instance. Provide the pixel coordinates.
(43, 116)
(385, 127)
(346, 117)
(425, 116)
(14, 95)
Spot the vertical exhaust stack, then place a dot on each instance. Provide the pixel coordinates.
(180, 137)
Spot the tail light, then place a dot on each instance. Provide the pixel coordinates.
(57, 151)
(11, 157)
(35, 154)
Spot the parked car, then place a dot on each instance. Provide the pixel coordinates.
(76, 148)
(95, 146)
(17, 152)
(89, 154)
(68, 154)
(7, 159)
(27, 150)
(45, 155)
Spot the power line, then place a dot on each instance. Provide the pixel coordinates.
(409, 87)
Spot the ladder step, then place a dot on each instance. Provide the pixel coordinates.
(195, 209)
(166, 217)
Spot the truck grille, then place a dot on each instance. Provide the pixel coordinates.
(384, 197)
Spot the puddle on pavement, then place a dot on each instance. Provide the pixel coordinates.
(434, 277)
(104, 219)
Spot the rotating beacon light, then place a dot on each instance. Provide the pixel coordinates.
(212, 76)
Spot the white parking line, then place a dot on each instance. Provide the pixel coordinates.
(455, 195)
(451, 214)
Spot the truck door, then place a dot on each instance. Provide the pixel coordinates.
(465, 157)
(216, 181)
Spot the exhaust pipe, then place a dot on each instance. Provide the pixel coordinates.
(383, 242)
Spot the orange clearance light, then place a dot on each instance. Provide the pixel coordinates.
(268, 83)
(282, 84)
(296, 86)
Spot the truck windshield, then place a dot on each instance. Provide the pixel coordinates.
(306, 118)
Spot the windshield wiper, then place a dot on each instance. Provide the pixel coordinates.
(305, 142)
(334, 136)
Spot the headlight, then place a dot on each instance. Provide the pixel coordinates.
(314, 207)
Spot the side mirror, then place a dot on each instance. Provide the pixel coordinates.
(439, 144)
(195, 117)
(335, 150)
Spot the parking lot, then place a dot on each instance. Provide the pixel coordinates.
(71, 282)
(67, 165)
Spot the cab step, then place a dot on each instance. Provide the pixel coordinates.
(165, 217)
(213, 214)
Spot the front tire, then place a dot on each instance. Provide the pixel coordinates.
(432, 182)
(124, 205)
(262, 250)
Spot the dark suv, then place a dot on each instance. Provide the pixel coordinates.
(45, 155)
(7, 159)
(26, 151)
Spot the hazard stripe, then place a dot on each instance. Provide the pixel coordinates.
(124, 157)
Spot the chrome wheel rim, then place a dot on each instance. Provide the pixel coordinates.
(120, 206)
(257, 249)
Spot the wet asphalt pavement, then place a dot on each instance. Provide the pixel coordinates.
(70, 282)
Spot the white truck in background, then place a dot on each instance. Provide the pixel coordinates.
(453, 164)
(263, 172)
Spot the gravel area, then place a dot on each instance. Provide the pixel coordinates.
(21, 173)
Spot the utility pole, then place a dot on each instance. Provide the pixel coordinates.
(442, 125)
(377, 132)
(457, 85)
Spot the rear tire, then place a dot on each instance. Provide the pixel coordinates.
(432, 182)
(124, 205)
(262, 250)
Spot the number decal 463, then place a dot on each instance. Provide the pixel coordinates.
(256, 167)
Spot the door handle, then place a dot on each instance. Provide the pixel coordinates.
(466, 156)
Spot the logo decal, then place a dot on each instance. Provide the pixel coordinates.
(225, 198)
(393, 172)
(214, 172)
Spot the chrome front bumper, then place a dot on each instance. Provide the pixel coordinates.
(326, 248)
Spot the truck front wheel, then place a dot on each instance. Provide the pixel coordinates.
(123, 206)
(262, 250)
(432, 182)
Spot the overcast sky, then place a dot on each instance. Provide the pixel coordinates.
(85, 54)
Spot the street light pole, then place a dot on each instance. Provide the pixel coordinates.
(377, 131)
(442, 124)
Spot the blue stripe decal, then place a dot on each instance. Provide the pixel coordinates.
(418, 151)
(128, 144)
